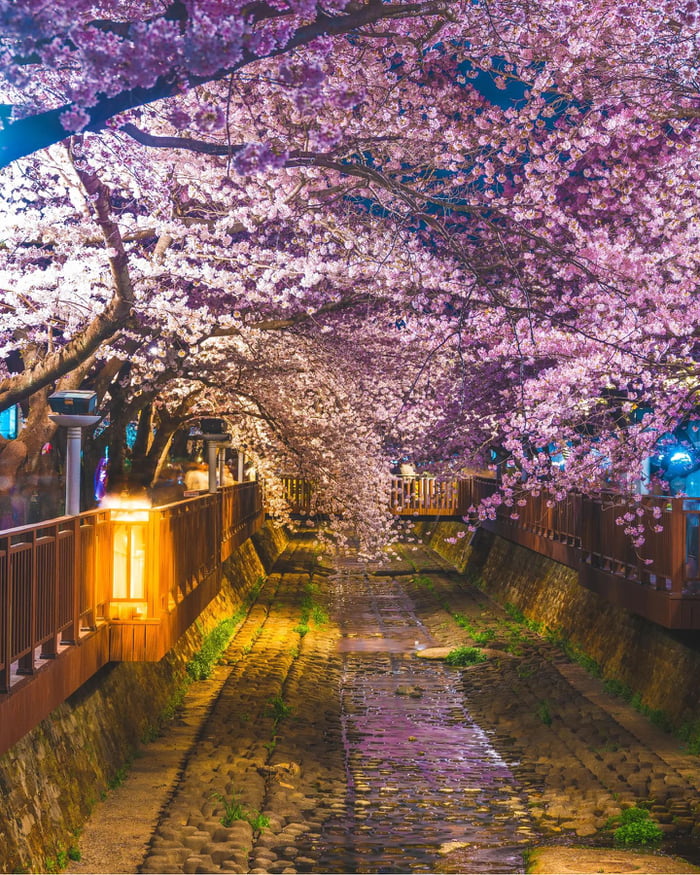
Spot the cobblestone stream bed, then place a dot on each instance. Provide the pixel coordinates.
(332, 746)
(423, 779)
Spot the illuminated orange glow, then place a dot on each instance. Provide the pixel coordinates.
(129, 515)
(125, 507)
(129, 610)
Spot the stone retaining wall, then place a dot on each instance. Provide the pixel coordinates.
(660, 665)
(50, 780)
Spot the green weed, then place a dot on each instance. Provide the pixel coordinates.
(311, 612)
(200, 666)
(655, 715)
(543, 713)
(464, 623)
(573, 653)
(60, 861)
(257, 632)
(486, 636)
(278, 709)
(259, 822)
(617, 688)
(175, 702)
(234, 810)
(462, 656)
(586, 662)
(514, 612)
(552, 636)
(118, 777)
(658, 718)
(254, 591)
(150, 734)
(690, 734)
(636, 828)
(318, 615)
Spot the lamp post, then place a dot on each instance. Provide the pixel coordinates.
(222, 464)
(73, 411)
(214, 436)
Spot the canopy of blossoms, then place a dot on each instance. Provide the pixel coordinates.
(358, 231)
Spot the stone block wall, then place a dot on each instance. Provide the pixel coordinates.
(662, 666)
(50, 780)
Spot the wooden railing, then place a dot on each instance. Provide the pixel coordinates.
(242, 514)
(107, 585)
(426, 496)
(298, 493)
(51, 588)
(136, 576)
(408, 496)
(659, 579)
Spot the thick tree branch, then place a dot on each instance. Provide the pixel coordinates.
(187, 143)
(28, 135)
(291, 321)
(105, 325)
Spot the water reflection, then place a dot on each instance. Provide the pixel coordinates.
(427, 792)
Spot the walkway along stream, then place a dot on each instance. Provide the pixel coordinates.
(332, 746)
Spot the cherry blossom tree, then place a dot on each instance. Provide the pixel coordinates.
(477, 221)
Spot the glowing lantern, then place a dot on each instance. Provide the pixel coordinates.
(129, 569)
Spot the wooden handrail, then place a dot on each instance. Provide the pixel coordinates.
(46, 591)
(59, 579)
(658, 579)
(299, 494)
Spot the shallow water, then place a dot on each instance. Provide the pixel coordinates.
(427, 792)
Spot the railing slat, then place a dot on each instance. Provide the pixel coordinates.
(5, 613)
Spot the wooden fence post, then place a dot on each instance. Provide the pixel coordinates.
(71, 635)
(25, 665)
(677, 547)
(5, 613)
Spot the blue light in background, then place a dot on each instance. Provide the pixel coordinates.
(9, 423)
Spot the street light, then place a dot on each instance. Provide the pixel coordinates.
(241, 462)
(75, 410)
(214, 436)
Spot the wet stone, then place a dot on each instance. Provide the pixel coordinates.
(196, 841)
(197, 864)
(437, 758)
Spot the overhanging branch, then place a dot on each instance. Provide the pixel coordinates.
(28, 135)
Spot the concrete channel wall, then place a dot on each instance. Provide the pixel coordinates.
(660, 666)
(51, 779)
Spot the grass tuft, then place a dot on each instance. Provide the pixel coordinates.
(462, 656)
